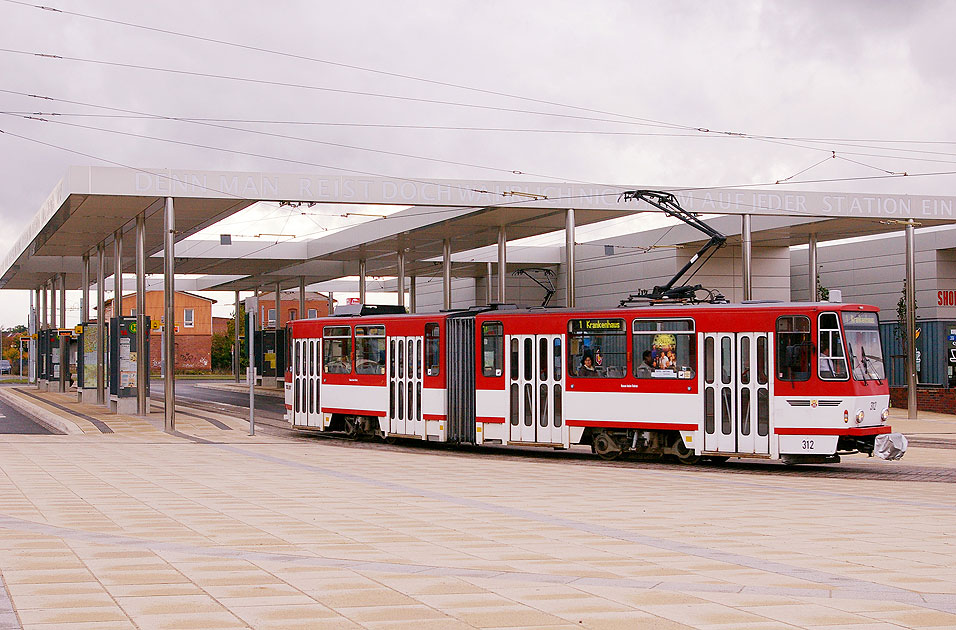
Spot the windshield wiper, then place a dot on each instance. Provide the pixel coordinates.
(862, 363)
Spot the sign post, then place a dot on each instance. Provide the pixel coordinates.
(251, 373)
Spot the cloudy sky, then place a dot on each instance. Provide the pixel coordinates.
(620, 89)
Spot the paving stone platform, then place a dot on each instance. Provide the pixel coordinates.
(212, 528)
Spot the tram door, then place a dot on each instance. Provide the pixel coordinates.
(306, 375)
(536, 388)
(405, 386)
(737, 393)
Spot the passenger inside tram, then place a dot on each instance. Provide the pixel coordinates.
(646, 368)
(587, 366)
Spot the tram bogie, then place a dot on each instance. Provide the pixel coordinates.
(799, 382)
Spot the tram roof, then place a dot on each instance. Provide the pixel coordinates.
(91, 203)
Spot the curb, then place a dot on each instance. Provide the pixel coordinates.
(46, 418)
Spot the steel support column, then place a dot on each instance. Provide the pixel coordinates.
(569, 257)
(84, 317)
(400, 277)
(52, 284)
(502, 262)
(362, 281)
(302, 312)
(64, 341)
(911, 320)
(34, 329)
(100, 324)
(489, 282)
(446, 273)
(746, 255)
(236, 333)
(85, 290)
(412, 295)
(142, 335)
(812, 268)
(169, 311)
(278, 306)
(117, 273)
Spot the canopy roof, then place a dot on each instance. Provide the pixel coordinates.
(91, 203)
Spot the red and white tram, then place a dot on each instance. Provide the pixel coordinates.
(802, 382)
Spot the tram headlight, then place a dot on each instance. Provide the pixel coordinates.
(859, 416)
(885, 415)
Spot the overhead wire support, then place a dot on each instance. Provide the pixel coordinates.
(671, 291)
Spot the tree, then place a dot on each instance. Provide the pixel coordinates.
(901, 335)
(823, 293)
(222, 344)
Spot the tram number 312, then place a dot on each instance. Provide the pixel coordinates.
(808, 445)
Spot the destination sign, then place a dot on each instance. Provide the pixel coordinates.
(596, 325)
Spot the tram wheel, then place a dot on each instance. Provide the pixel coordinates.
(605, 446)
(391, 440)
(684, 454)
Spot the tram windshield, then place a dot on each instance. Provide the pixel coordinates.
(862, 332)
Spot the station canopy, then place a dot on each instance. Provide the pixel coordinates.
(91, 203)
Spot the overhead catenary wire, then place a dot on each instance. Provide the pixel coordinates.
(510, 171)
(442, 83)
(377, 71)
(489, 129)
(320, 88)
(153, 116)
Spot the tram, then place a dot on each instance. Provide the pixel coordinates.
(802, 382)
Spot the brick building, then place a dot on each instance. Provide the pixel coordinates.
(194, 322)
(316, 305)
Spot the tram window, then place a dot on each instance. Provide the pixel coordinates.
(726, 360)
(410, 353)
(762, 374)
(863, 342)
(370, 349)
(528, 359)
(432, 350)
(401, 399)
(665, 348)
(745, 411)
(763, 412)
(726, 410)
(543, 359)
(793, 348)
(418, 353)
(528, 405)
(831, 360)
(709, 409)
(597, 348)
(557, 405)
(744, 361)
(709, 359)
(557, 358)
(543, 404)
(391, 359)
(514, 404)
(492, 349)
(514, 359)
(401, 358)
(337, 349)
(391, 399)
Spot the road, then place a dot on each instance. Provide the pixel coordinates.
(193, 392)
(12, 421)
